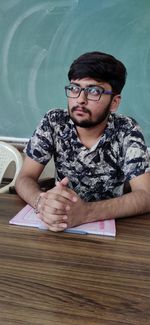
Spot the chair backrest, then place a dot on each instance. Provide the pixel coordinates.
(8, 154)
(149, 154)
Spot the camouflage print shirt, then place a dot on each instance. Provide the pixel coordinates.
(96, 173)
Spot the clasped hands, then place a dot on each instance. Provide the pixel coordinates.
(61, 207)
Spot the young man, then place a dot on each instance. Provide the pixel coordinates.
(98, 154)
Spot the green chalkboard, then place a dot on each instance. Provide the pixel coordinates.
(39, 39)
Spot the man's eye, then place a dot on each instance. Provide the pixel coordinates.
(74, 89)
(94, 91)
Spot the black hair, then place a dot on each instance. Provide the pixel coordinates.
(100, 67)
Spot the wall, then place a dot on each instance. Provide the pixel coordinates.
(40, 38)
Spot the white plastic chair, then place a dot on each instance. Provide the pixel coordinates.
(149, 154)
(8, 154)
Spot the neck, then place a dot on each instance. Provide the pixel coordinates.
(89, 136)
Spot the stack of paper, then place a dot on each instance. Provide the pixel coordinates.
(27, 217)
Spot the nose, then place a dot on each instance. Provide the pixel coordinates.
(82, 97)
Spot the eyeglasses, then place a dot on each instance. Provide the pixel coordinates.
(92, 92)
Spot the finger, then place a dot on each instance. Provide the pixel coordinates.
(61, 192)
(53, 219)
(63, 182)
(55, 204)
(57, 228)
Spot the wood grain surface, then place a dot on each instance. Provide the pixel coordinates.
(67, 279)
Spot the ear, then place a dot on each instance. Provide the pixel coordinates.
(115, 103)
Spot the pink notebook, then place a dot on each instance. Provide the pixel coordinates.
(27, 217)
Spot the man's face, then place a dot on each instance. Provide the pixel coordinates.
(88, 113)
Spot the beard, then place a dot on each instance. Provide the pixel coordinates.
(87, 122)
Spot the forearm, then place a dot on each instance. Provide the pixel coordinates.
(134, 203)
(28, 189)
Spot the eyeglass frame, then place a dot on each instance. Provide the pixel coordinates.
(104, 91)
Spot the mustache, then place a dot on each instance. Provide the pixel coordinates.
(75, 108)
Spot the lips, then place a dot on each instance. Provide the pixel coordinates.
(80, 110)
(80, 113)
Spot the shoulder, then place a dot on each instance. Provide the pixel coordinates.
(125, 121)
(126, 125)
(52, 118)
(56, 115)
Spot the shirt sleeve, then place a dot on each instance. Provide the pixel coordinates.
(136, 157)
(41, 146)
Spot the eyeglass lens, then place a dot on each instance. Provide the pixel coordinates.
(92, 93)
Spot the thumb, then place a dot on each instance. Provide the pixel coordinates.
(63, 182)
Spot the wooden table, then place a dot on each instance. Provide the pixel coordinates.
(56, 278)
